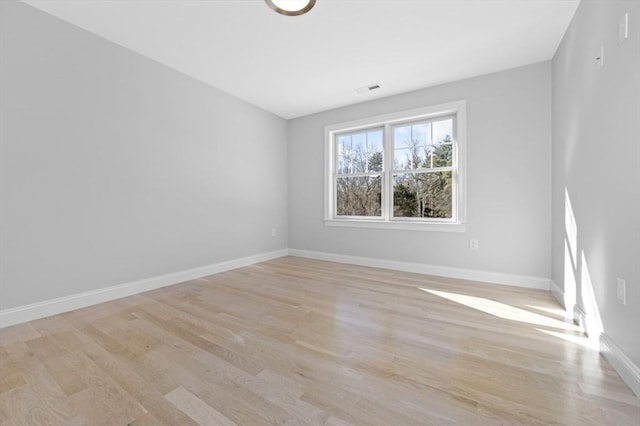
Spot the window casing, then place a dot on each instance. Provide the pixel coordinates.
(400, 171)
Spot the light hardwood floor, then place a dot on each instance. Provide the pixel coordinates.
(301, 342)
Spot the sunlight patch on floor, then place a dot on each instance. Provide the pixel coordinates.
(502, 310)
(578, 340)
(553, 311)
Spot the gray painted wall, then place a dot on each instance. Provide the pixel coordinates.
(508, 178)
(116, 168)
(596, 158)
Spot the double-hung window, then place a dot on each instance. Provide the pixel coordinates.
(403, 171)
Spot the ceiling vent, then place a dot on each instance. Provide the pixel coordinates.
(368, 88)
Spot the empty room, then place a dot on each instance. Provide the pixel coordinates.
(319, 212)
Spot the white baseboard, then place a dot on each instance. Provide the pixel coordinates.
(629, 371)
(59, 305)
(572, 312)
(442, 271)
(580, 318)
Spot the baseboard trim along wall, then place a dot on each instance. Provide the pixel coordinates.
(629, 371)
(419, 268)
(573, 312)
(59, 305)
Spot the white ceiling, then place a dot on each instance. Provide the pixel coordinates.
(293, 66)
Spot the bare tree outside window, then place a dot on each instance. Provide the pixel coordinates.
(401, 171)
(359, 167)
(424, 152)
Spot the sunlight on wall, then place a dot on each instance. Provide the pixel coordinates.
(570, 254)
(593, 322)
(581, 299)
(502, 310)
(570, 288)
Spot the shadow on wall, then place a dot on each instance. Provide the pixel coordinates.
(579, 300)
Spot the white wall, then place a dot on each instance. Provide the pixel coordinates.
(596, 161)
(508, 178)
(116, 168)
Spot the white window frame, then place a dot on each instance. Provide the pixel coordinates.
(457, 223)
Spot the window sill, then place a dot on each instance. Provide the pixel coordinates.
(398, 225)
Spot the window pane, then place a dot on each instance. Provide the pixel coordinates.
(359, 152)
(344, 163)
(410, 145)
(358, 139)
(412, 135)
(344, 144)
(421, 133)
(402, 159)
(374, 151)
(442, 131)
(411, 158)
(359, 196)
(426, 195)
(442, 155)
(402, 137)
(375, 139)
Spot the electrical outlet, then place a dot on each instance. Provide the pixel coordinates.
(623, 28)
(473, 244)
(622, 291)
(273, 232)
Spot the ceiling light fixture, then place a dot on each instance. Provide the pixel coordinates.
(291, 7)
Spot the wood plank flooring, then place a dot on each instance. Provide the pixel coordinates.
(301, 342)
